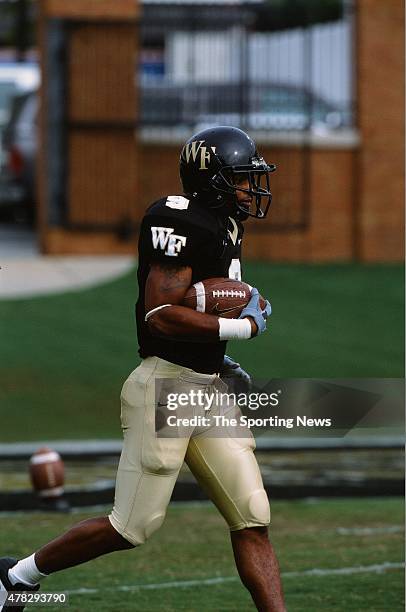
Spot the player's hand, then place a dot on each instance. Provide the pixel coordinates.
(236, 379)
(254, 311)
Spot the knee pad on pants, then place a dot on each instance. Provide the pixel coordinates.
(254, 511)
(138, 532)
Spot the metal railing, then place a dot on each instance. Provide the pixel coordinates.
(196, 72)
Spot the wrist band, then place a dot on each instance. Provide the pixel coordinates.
(234, 329)
(151, 312)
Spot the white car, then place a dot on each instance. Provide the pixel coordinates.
(15, 78)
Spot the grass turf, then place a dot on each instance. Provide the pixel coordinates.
(63, 358)
(193, 544)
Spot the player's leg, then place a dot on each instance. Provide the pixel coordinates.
(258, 567)
(145, 479)
(149, 465)
(83, 542)
(228, 471)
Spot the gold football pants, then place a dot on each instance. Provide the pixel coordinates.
(223, 464)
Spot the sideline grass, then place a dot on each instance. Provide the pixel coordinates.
(64, 358)
(193, 544)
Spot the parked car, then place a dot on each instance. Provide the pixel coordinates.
(15, 78)
(18, 83)
(20, 144)
(265, 106)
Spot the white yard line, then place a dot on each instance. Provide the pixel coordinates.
(184, 584)
(344, 571)
(367, 531)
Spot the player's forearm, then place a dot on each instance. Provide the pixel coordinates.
(184, 324)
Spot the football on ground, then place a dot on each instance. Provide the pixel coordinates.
(225, 297)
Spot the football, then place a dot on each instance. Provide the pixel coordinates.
(225, 297)
(47, 473)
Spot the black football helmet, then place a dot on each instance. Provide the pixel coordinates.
(217, 162)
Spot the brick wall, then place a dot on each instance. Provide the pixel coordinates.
(354, 196)
(380, 175)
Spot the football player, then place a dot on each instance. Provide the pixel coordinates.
(183, 240)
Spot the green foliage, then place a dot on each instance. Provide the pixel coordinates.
(286, 14)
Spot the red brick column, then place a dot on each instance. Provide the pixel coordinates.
(380, 72)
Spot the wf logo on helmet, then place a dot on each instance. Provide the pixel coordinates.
(195, 148)
(164, 238)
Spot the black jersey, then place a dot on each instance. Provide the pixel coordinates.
(180, 231)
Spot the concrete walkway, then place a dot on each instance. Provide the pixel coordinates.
(31, 277)
(25, 273)
(17, 241)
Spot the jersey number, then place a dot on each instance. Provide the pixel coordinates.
(177, 202)
(234, 271)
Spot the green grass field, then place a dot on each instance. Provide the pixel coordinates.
(193, 545)
(64, 358)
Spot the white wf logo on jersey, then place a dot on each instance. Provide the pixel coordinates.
(164, 238)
